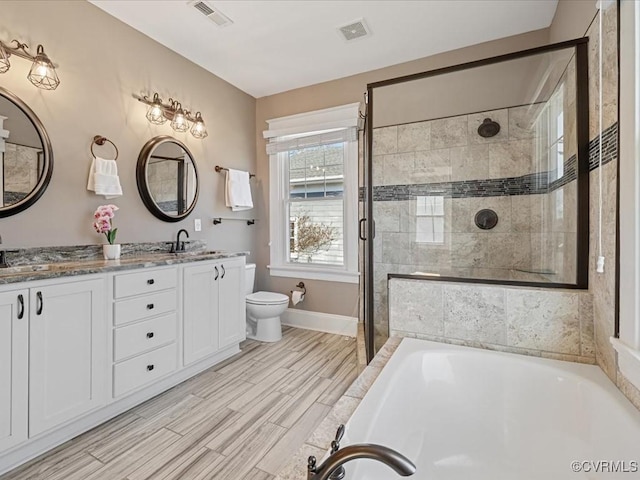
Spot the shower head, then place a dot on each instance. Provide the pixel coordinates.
(488, 128)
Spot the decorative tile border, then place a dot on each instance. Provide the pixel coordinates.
(531, 184)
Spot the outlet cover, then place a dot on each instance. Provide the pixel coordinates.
(197, 225)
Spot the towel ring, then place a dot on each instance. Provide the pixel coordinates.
(100, 140)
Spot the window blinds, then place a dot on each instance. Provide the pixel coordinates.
(315, 139)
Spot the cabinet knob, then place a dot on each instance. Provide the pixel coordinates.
(150, 306)
(150, 367)
(151, 281)
(150, 335)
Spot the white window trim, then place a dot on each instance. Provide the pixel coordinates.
(332, 118)
(628, 345)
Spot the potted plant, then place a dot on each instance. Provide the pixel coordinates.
(103, 223)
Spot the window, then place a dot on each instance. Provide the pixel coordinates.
(430, 220)
(550, 135)
(313, 194)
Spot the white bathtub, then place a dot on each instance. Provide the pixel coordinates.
(469, 414)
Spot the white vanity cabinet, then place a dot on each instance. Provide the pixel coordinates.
(67, 352)
(14, 365)
(213, 307)
(78, 350)
(145, 327)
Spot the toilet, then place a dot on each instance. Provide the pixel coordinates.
(263, 310)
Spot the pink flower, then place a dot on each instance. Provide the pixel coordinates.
(103, 221)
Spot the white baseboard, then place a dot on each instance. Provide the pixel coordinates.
(322, 322)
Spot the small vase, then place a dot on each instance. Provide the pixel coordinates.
(111, 252)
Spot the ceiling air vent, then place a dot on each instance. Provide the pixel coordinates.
(354, 30)
(213, 14)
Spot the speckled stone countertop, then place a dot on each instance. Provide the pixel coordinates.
(319, 443)
(54, 262)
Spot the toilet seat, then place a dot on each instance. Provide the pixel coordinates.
(267, 298)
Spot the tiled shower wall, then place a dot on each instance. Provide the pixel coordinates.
(534, 239)
(553, 324)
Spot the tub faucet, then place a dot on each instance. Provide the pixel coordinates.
(332, 468)
(179, 246)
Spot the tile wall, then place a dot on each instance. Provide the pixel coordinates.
(553, 324)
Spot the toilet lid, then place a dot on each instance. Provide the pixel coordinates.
(267, 298)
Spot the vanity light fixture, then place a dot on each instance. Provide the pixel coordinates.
(179, 122)
(181, 119)
(154, 114)
(42, 74)
(199, 130)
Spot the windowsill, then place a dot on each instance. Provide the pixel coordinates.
(310, 273)
(628, 361)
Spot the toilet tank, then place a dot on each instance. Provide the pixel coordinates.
(250, 277)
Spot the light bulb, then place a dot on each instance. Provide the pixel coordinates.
(43, 73)
(179, 122)
(199, 130)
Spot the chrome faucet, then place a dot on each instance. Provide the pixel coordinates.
(179, 246)
(332, 468)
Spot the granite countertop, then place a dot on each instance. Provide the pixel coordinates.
(85, 266)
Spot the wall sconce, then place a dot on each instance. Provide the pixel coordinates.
(42, 74)
(180, 118)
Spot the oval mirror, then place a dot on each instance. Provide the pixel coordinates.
(167, 178)
(26, 155)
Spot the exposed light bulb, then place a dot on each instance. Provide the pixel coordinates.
(179, 122)
(199, 130)
(43, 73)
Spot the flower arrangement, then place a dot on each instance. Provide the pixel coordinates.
(104, 222)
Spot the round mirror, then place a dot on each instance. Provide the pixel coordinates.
(26, 155)
(167, 178)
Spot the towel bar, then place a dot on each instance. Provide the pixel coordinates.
(250, 221)
(220, 169)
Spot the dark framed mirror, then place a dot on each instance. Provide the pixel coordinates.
(26, 156)
(167, 178)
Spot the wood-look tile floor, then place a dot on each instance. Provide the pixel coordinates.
(242, 419)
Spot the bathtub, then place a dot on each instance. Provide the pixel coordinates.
(462, 413)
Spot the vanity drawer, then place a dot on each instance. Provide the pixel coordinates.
(144, 336)
(143, 369)
(126, 311)
(129, 284)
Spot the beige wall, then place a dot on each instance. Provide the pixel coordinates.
(571, 20)
(342, 298)
(102, 62)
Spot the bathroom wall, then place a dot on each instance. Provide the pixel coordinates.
(333, 297)
(552, 324)
(101, 63)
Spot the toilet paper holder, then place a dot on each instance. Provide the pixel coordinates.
(302, 287)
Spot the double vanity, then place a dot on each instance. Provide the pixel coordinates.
(82, 341)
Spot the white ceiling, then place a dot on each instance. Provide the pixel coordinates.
(278, 45)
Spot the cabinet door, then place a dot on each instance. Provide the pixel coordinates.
(232, 302)
(14, 363)
(68, 354)
(200, 311)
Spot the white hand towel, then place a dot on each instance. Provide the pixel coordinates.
(103, 178)
(237, 190)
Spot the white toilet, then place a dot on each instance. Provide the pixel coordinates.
(263, 310)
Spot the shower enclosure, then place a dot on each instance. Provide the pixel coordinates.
(478, 173)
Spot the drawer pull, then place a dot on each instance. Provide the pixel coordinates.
(217, 273)
(150, 306)
(150, 367)
(151, 281)
(223, 271)
(20, 307)
(150, 335)
(40, 306)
